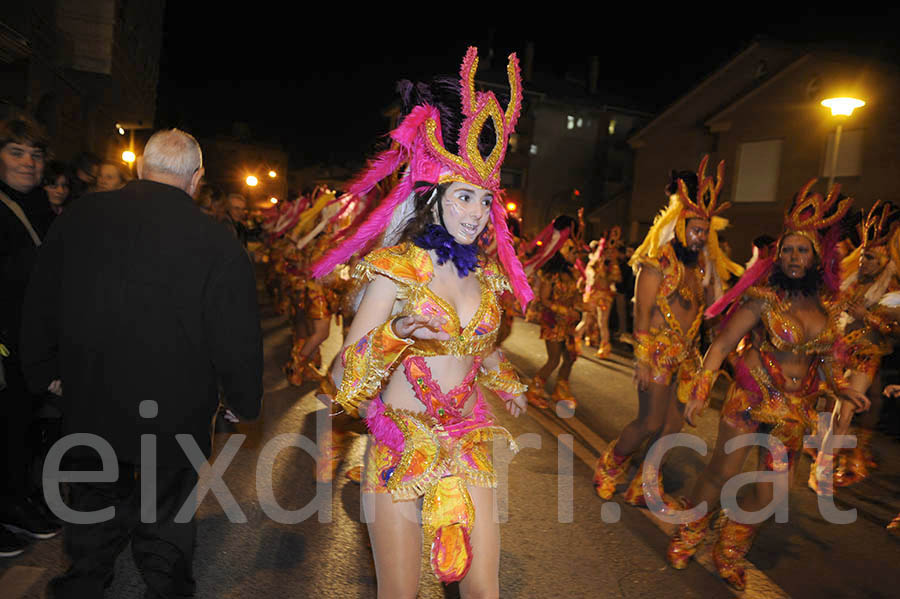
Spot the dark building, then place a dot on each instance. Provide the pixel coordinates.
(82, 68)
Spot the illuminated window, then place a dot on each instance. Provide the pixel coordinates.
(570, 122)
(612, 126)
(533, 150)
(579, 123)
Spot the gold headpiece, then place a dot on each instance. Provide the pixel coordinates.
(874, 230)
(704, 206)
(809, 214)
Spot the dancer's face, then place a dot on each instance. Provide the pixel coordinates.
(796, 256)
(696, 232)
(466, 209)
(870, 263)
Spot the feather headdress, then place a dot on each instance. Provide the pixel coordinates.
(670, 223)
(418, 144)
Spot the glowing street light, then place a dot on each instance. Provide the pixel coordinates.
(842, 108)
(511, 206)
(273, 200)
(128, 156)
(252, 181)
(120, 130)
(273, 174)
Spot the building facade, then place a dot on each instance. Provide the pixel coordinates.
(761, 113)
(83, 69)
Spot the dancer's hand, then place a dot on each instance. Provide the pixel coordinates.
(421, 326)
(693, 408)
(641, 376)
(892, 391)
(55, 388)
(857, 398)
(516, 405)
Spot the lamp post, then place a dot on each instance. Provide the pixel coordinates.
(841, 108)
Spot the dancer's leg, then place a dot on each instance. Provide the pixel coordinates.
(554, 351)
(396, 537)
(483, 578)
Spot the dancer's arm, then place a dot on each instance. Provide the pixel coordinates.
(376, 342)
(646, 286)
(499, 375)
(739, 324)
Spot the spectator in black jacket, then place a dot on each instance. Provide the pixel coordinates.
(24, 217)
(139, 307)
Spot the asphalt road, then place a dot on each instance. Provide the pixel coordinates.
(559, 538)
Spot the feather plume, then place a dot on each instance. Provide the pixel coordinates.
(751, 276)
(508, 258)
(371, 228)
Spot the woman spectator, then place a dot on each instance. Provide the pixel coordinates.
(111, 177)
(56, 184)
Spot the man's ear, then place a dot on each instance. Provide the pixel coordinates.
(195, 181)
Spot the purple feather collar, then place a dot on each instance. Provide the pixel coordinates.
(436, 237)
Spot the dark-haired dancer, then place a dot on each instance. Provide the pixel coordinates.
(788, 306)
(679, 269)
(422, 342)
(556, 280)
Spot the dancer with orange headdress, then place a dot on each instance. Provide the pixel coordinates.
(601, 276)
(679, 269)
(422, 342)
(869, 289)
(789, 305)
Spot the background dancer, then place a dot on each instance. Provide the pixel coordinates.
(793, 317)
(679, 268)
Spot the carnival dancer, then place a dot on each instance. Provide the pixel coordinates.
(868, 324)
(601, 276)
(314, 302)
(559, 300)
(788, 305)
(422, 342)
(679, 269)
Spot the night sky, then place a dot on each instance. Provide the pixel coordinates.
(318, 85)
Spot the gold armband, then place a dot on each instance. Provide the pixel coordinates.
(502, 380)
(367, 364)
(699, 388)
(642, 341)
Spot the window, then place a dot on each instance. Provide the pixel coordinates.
(612, 126)
(533, 150)
(579, 123)
(570, 122)
(849, 157)
(757, 177)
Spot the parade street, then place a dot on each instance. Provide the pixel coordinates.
(558, 538)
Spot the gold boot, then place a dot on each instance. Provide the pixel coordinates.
(604, 350)
(331, 452)
(536, 395)
(734, 542)
(608, 472)
(686, 539)
(562, 395)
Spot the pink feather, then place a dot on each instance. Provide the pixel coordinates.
(373, 227)
(378, 168)
(508, 258)
(751, 276)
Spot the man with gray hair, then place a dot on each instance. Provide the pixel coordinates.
(142, 307)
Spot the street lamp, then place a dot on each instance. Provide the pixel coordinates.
(128, 156)
(273, 174)
(841, 108)
(252, 181)
(274, 200)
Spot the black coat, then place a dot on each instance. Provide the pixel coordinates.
(137, 295)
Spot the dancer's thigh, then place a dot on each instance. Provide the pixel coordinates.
(396, 537)
(483, 577)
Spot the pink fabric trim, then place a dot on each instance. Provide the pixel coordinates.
(383, 428)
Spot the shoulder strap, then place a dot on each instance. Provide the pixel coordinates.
(17, 210)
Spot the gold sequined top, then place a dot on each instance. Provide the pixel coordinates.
(411, 269)
(784, 332)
